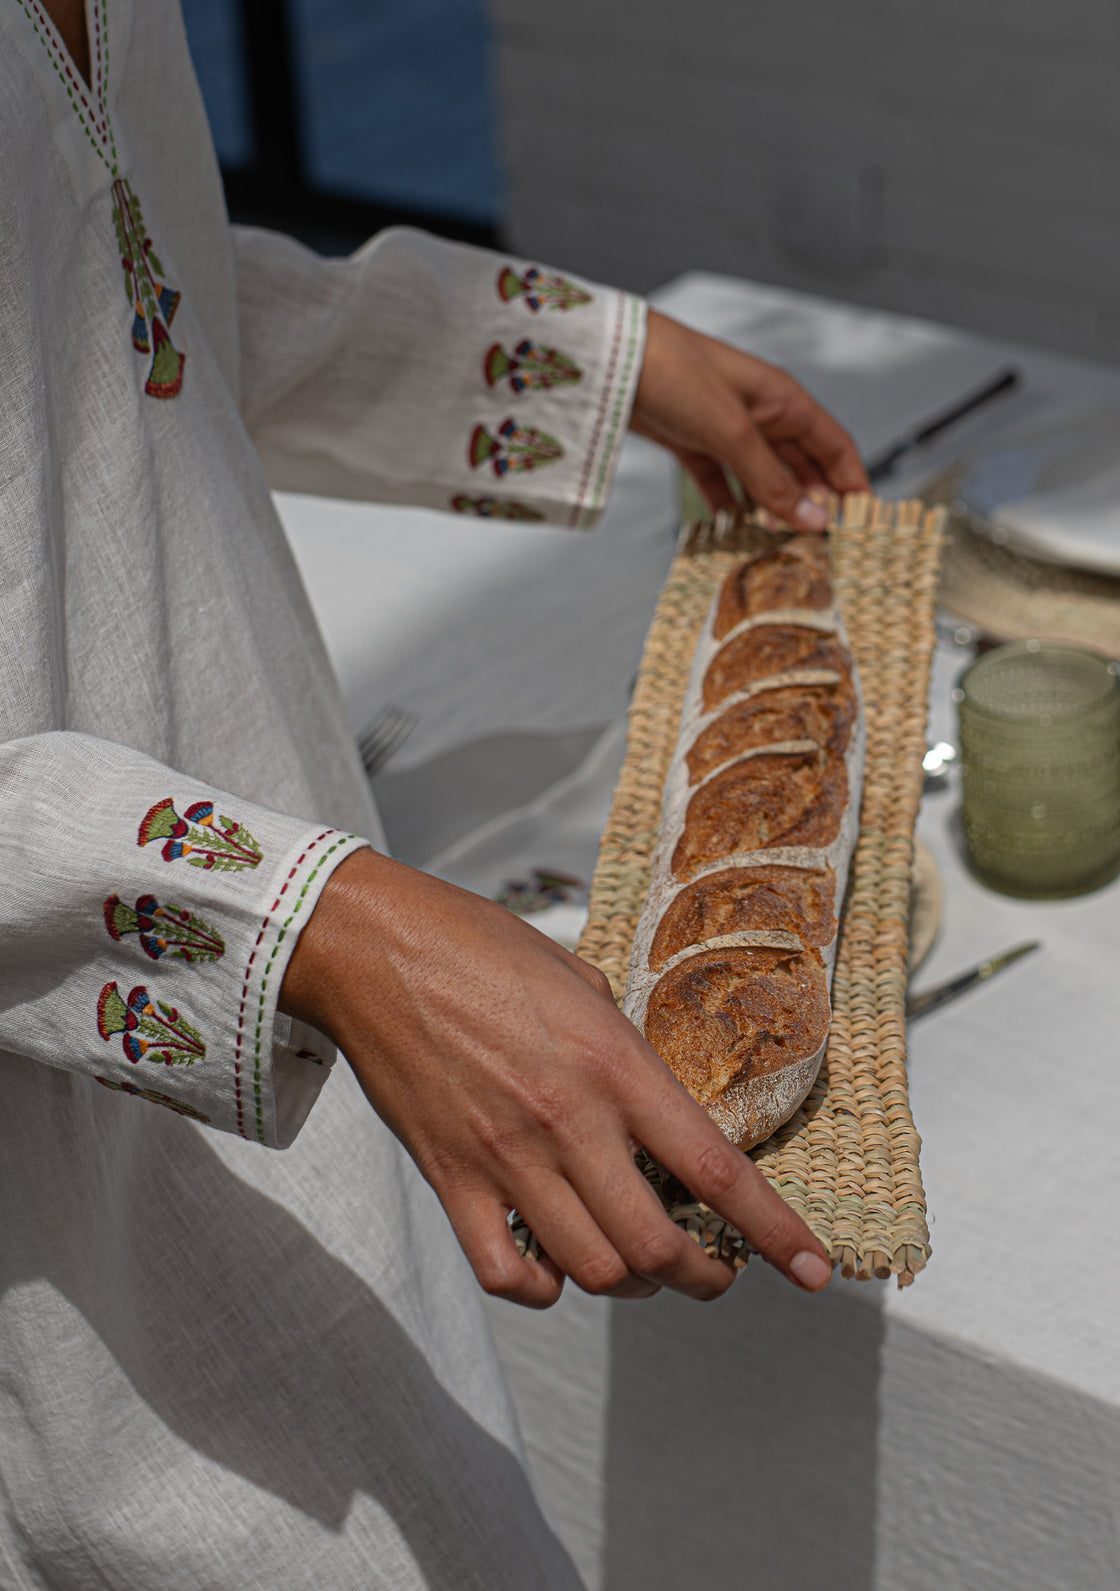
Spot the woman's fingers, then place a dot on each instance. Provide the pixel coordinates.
(634, 1221)
(682, 1139)
(481, 1225)
(769, 482)
(785, 412)
(739, 1192)
(796, 459)
(716, 405)
(503, 1066)
(561, 1223)
(711, 479)
(824, 440)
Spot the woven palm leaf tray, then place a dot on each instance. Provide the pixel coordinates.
(848, 1160)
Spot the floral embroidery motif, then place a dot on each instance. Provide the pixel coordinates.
(493, 508)
(164, 930)
(150, 1027)
(194, 835)
(156, 1098)
(515, 450)
(153, 302)
(529, 366)
(540, 290)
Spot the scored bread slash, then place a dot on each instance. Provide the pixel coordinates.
(848, 1160)
(733, 954)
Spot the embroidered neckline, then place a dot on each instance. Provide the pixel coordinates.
(151, 297)
(90, 103)
(153, 300)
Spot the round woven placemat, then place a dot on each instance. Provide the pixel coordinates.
(925, 906)
(848, 1160)
(1014, 597)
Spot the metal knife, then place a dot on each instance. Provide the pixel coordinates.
(918, 1004)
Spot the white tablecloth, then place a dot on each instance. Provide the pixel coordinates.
(478, 626)
(963, 1435)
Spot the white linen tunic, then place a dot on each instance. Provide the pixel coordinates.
(223, 1369)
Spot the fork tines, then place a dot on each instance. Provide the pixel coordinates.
(384, 735)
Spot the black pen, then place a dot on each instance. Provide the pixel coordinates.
(887, 460)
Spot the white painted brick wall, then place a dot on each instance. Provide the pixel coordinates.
(952, 158)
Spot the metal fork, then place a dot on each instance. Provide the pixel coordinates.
(383, 736)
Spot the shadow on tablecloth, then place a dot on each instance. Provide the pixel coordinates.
(742, 1440)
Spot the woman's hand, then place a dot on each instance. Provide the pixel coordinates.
(503, 1065)
(718, 409)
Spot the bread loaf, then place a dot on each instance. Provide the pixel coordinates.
(729, 976)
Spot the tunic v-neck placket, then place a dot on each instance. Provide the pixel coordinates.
(80, 113)
(153, 299)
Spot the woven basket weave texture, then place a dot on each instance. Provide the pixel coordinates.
(848, 1160)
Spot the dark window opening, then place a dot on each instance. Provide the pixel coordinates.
(335, 118)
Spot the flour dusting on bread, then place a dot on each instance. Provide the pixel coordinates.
(733, 955)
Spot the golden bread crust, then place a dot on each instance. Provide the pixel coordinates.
(824, 713)
(769, 649)
(797, 900)
(727, 1016)
(775, 799)
(729, 976)
(795, 576)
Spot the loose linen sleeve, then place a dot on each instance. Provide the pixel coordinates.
(146, 922)
(421, 371)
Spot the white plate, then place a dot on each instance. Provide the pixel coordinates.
(1054, 493)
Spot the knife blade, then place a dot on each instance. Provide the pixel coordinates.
(918, 1004)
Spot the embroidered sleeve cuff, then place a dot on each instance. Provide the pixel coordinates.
(428, 372)
(546, 439)
(612, 412)
(201, 1032)
(146, 924)
(280, 1064)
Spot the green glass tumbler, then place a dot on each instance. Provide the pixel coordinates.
(1040, 761)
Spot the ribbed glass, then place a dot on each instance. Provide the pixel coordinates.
(1040, 759)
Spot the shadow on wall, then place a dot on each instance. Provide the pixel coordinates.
(955, 161)
(742, 1439)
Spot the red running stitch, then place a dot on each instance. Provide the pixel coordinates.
(97, 47)
(600, 421)
(248, 973)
